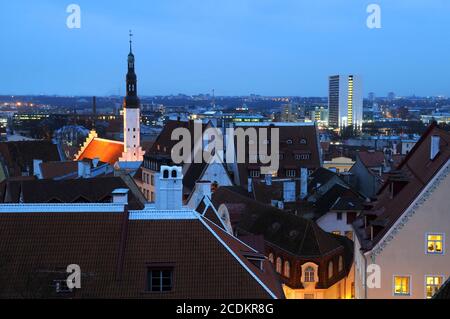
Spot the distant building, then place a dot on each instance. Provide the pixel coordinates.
(345, 101)
(339, 164)
(289, 113)
(436, 116)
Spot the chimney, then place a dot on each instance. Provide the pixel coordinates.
(204, 189)
(435, 147)
(169, 188)
(84, 169)
(37, 168)
(249, 185)
(120, 196)
(95, 162)
(268, 179)
(303, 183)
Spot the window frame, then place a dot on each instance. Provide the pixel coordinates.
(409, 294)
(426, 284)
(443, 244)
(154, 267)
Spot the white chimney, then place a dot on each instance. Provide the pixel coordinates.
(268, 179)
(84, 169)
(249, 185)
(435, 147)
(289, 192)
(120, 196)
(169, 188)
(303, 183)
(37, 168)
(95, 162)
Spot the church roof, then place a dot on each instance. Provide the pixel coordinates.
(107, 151)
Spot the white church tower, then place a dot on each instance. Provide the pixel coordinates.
(131, 116)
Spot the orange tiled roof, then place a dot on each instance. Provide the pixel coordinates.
(108, 151)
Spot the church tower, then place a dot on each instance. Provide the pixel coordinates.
(131, 116)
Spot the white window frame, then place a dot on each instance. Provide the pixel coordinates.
(409, 282)
(425, 282)
(443, 243)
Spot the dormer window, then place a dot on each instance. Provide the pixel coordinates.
(289, 142)
(341, 264)
(287, 269)
(309, 274)
(303, 141)
(278, 265)
(330, 270)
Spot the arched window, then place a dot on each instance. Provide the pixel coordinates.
(287, 269)
(330, 269)
(271, 258)
(309, 274)
(278, 265)
(166, 173)
(341, 264)
(174, 173)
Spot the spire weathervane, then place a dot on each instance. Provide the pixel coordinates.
(131, 41)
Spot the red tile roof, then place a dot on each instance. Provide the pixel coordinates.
(108, 151)
(114, 255)
(371, 158)
(58, 169)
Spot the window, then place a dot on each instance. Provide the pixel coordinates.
(341, 264)
(165, 173)
(303, 141)
(289, 142)
(336, 232)
(290, 173)
(433, 283)
(339, 216)
(278, 265)
(254, 173)
(435, 244)
(287, 269)
(401, 286)
(330, 270)
(174, 174)
(309, 274)
(271, 258)
(159, 280)
(152, 180)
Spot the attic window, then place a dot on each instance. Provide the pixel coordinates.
(289, 142)
(309, 274)
(340, 264)
(303, 141)
(159, 280)
(330, 270)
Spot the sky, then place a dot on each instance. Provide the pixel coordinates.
(237, 47)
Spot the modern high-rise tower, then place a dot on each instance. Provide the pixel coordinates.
(131, 116)
(345, 101)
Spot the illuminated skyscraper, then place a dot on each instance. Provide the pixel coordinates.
(345, 101)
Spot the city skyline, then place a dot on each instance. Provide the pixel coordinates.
(226, 46)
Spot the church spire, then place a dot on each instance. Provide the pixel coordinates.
(131, 99)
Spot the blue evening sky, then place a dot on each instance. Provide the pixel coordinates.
(238, 47)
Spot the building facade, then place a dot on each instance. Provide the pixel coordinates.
(345, 101)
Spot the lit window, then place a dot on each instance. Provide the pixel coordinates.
(287, 269)
(330, 269)
(278, 265)
(290, 173)
(401, 286)
(271, 258)
(309, 274)
(435, 243)
(336, 232)
(433, 283)
(159, 280)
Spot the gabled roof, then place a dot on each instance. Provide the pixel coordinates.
(298, 236)
(335, 198)
(371, 158)
(418, 170)
(107, 151)
(291, 137)
(88, 190)
(115, 251)
(51, 170)
(19, 156)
